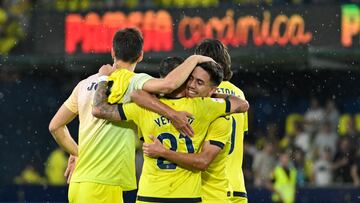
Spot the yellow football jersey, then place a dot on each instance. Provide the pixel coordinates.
(160, 179)
(119, 81)
(106, 149)
(239, 129)
(214, 180)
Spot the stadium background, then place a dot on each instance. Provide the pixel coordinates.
(284, 53)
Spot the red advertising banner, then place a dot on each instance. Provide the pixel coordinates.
(242, 29)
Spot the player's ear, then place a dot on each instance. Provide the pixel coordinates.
(212, 90)
(140, 57)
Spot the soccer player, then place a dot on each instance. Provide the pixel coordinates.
(106, 151)
(163, 181)
(218, 51)
(212, 158)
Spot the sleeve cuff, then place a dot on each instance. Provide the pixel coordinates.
(68, 106)
(217, 143)
(140, 80)
(228, 105)
(121, 112)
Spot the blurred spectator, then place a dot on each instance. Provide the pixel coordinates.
(283, 182)
(343, 161)
(30, 176)
(303, 167)
(355, 169)
(291, 121)
(287, 141)
(272, 131)
(302, 138)
(351, 131)
(332, 114)
(323, 173)
(325, 139)
(55, 167)
(264, 163)
(260, 138)
(313, 117)
(249, 153)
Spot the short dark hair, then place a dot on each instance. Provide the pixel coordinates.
(128, 45)
(216, 50)
(168, 64)
(214, 70)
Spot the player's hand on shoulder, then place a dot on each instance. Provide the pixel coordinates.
(106, 70)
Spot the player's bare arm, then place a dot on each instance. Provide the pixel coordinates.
(191, 161)
(60, 132)
(176, 77)
(238, 105)
(101, 108)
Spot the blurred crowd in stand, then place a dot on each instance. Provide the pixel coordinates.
(14, 23)
(322, 144)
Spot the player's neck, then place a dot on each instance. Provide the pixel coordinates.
(124, 65)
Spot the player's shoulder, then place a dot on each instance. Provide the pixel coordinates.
(135, 109)
(222, 123)
(226, 85)
(229, 85)
(184, 102)
(91, 79)
(208, 104)
(207, 100)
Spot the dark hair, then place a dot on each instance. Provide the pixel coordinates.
(128, 45)
(214, 70)
(216, 50)
(168, 64)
